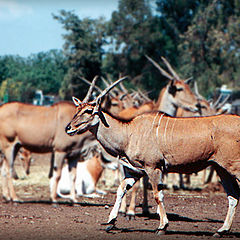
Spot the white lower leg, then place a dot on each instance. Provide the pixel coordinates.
(233, 202)
(162, 212)
(123, 208)
(53, 187)
(122, 189)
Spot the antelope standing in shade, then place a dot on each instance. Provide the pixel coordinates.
(153, 144)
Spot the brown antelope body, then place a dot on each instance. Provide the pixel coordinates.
(174, 97)
(38, 129)
(206, 109)
(152, 144)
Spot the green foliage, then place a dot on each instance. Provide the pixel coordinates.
(200, 38)
(83, 49)
(209, 49)
(20, 77)
(135, 32)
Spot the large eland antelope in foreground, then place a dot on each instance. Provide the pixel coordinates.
(38, 129)
(153, 143)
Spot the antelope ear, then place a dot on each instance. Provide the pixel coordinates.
(189, 80)
(76, 101)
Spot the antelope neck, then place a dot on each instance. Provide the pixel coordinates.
(111, 136)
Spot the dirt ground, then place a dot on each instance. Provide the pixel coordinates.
(193, 214)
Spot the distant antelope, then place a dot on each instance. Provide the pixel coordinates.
(153, 144)
(39, 129)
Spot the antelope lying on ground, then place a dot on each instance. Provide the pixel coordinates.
(88, 174)
(161, 146)
(40, 130)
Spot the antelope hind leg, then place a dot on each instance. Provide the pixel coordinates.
(154, 176)
(73, 173)
(233, 191)
(57, 171)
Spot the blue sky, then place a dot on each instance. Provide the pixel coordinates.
(27, 26)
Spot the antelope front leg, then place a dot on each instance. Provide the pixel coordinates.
(5, 189)
(57, 171)
(73, 173)
(7, 184)
(125, 185)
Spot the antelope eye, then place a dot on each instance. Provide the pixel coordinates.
(179, 89)
(114, 104)
(89, 111)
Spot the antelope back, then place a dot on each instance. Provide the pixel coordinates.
(114, 105)
(132, 112)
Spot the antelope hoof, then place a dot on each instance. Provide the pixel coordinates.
(111, 225)
(74, 200)
(130, 217)
(123, 214)
(109, 228)
(220, 234)
(17, 202)
(160, 232)
(55, 205)
(6, 199)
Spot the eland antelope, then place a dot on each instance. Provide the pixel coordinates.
(39, 129)
(162, 146)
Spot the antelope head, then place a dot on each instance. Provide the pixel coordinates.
(177, 92)
(180, 95)
(88, 113)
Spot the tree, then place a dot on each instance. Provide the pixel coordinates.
(83, 49)
(209, 49)
(20, 77)
(134, 32)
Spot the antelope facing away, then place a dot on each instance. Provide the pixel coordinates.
(162, 145)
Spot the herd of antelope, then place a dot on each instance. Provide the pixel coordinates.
(106, 131)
